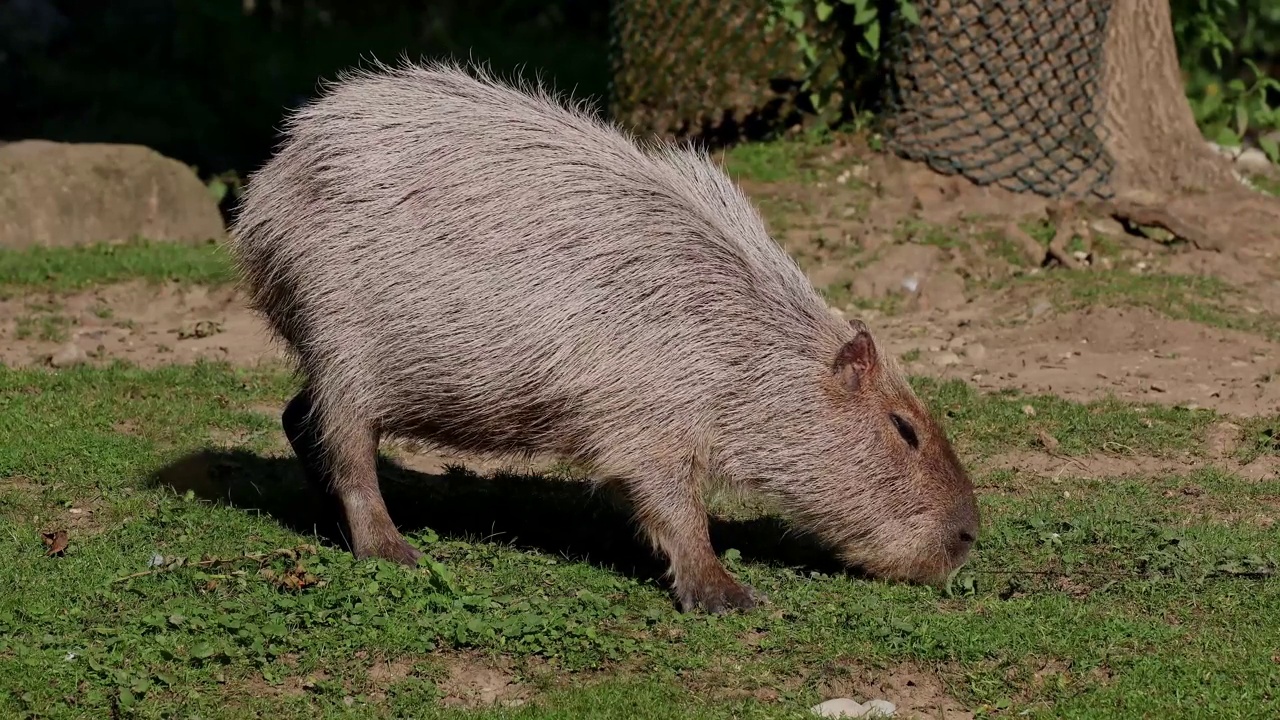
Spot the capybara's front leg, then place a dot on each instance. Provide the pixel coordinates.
(343, 464)
(675, 521)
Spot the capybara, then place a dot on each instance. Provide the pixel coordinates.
(458, 259)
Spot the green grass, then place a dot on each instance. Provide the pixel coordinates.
(69, 269)
(1201, 299)
(1142, 600)
(1269, 184)
(776, 160)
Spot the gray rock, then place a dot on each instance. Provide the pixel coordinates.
(66, 194)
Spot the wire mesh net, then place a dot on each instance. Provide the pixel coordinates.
(1003, 92)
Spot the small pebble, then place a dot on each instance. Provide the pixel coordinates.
(1041, 308)
(976, 352)
(156, 560)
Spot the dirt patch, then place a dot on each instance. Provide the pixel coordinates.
(142, 323)
(918, 693)
(1130, 353)
(472, 682)
(1100, 465)
(389, 672)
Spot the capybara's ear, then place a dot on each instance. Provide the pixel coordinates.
(857, 358)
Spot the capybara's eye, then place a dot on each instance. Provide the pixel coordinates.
(907, 432)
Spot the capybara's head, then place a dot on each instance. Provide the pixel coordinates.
(891, 498)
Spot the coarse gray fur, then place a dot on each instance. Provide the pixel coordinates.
(478, 264)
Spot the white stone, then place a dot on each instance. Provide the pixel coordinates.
(839, 708)
(1253, 160)
(878, 708)
(848, 708)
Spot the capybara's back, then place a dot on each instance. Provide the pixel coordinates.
(476, 264)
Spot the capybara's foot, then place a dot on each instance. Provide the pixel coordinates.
(395, 549)
(719, 596)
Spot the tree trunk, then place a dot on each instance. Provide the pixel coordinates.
(1165, 173)
(1068, 99)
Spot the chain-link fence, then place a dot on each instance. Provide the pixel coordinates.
(1002, 92)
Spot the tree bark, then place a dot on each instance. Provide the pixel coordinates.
(1165, 174)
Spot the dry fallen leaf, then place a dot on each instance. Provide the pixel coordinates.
(56, 542)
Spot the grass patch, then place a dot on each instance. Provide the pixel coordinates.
(46, 327)
(925, 233)
(1269, 184)
(166, 603)
(1260, 436)
(986, 424)
(787, 159)
(70, 269)
(1205, 300)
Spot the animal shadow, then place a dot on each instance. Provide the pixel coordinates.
(527, 512)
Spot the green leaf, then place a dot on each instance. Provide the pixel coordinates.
(1271, 147)
(1227, 137)
(202, 650)
(909, 12)
(823, 11)
(873, 35)
(865, 16)
(1242, 118)
(218, 190)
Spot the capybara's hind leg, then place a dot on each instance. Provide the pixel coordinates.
(302, 431)
(344, 465)
(676, 523)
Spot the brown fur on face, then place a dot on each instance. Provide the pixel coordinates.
(458, 260)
